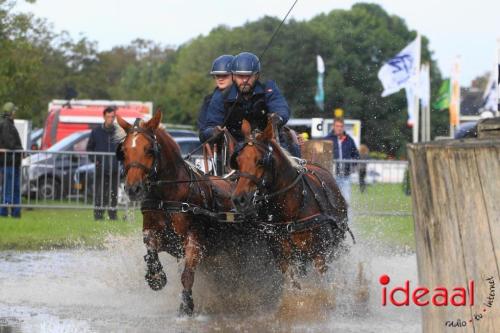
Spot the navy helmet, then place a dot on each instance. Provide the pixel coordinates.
(222, 65)
(246, 63)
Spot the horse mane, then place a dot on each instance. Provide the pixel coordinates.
(284, 155)
(172, 146)
(120, 134)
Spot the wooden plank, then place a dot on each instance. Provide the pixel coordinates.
(489, 128)
(475, 234)
(424, 225)
(320, 152)
(455, 192)
(489, 171)
(448, 267)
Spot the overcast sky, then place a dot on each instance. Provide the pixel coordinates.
(455, 27)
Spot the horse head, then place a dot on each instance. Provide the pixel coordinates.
(140, 154)
(256, 162)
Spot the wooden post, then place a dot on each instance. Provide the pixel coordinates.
(320, 152)
(455, 188)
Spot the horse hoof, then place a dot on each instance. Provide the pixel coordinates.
(185, 311)
(187, 305)
(156, 281)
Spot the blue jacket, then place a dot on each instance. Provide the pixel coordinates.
(202, 115)
(266, 96)
(348, 151)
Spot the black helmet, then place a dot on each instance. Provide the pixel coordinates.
(246, 63)
(222, 65)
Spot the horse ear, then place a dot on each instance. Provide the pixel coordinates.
(246, 128)
(154, 122)
(268, 132)
(123, 123)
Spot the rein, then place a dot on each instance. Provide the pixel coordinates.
(266, 161)
(294, 225)
(152, 172)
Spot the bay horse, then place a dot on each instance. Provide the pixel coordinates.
(176, 201)
(300, 204)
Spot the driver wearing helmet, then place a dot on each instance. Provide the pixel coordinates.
(221, 72)
(256, 102)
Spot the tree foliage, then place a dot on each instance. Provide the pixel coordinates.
(38, 65)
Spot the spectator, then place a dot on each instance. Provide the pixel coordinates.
(363, 155)
(10, 162)
(344, 148)
(106, 167)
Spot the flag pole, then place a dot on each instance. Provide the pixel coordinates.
(424, 77)
(427, 109)
(455, 96)
(415, 94)
(498, 76)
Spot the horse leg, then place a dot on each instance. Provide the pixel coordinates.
(320, 264)
(155, 276)
(286, 257)
(193, 253)
(153, 224)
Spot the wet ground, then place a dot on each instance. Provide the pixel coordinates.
(104, 291)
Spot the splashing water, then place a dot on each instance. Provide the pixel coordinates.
(104, 290)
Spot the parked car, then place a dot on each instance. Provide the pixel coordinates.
(83, 178)
(181, 133)
(48, 174)
(36, 137)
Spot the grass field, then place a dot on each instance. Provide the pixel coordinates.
(383, 198)
(60, 228)
(63, 228)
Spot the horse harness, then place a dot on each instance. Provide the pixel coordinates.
(155, 150)
(304, 177)
(153, 203)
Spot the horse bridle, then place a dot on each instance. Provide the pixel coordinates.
(152, 172)
(265, 162)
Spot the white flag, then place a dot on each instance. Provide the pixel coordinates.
(319, 98)
(425, 85)
(401, 70)
(490, 94)
(320, 64)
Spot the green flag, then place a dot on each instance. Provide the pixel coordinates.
(443, 100)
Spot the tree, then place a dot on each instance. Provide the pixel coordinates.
(38, 65)
(354, 44)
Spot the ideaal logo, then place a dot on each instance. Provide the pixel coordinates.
(439, 296)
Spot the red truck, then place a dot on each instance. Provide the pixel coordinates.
(67, 117)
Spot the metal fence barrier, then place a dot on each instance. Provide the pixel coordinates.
(69, 179)
(378, 187)
(62, 179)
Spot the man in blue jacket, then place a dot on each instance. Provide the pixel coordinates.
(344, 148)
(248, 99)
(102, 139)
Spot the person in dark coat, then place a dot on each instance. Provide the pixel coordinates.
(102, 139)
(363, 155)
(221, 71)
(344, 148)
(10, 162)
